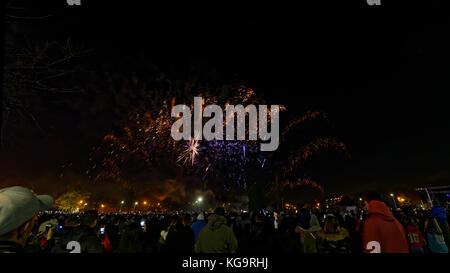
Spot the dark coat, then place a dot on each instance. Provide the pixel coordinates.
(10, 247)
(85, 236)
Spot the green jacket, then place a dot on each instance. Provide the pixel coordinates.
(216, 237)
(333, 242)
(309, 244)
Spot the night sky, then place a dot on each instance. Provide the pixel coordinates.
(381, 74)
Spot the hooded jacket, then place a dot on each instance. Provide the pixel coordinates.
(333, 242)
(439, 213)
(382, 233)
(216, 237)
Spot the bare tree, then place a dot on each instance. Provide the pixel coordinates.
(32, 72)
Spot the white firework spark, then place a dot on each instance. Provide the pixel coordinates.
(191, 151)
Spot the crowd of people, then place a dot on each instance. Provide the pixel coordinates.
(28, 225)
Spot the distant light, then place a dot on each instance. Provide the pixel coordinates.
(85, 204)
(199, 199)
(102, 205)
(392, 195)
(121, 202)
(145, 202)
(81, 201)
(136, 203)
(360, 199)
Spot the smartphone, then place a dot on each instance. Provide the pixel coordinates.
(142, 223)
(102, 230)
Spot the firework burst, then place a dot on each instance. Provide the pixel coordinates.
(145, 142)
(190, 152)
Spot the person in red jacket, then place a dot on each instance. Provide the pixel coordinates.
(415, 238)
(382, 233)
